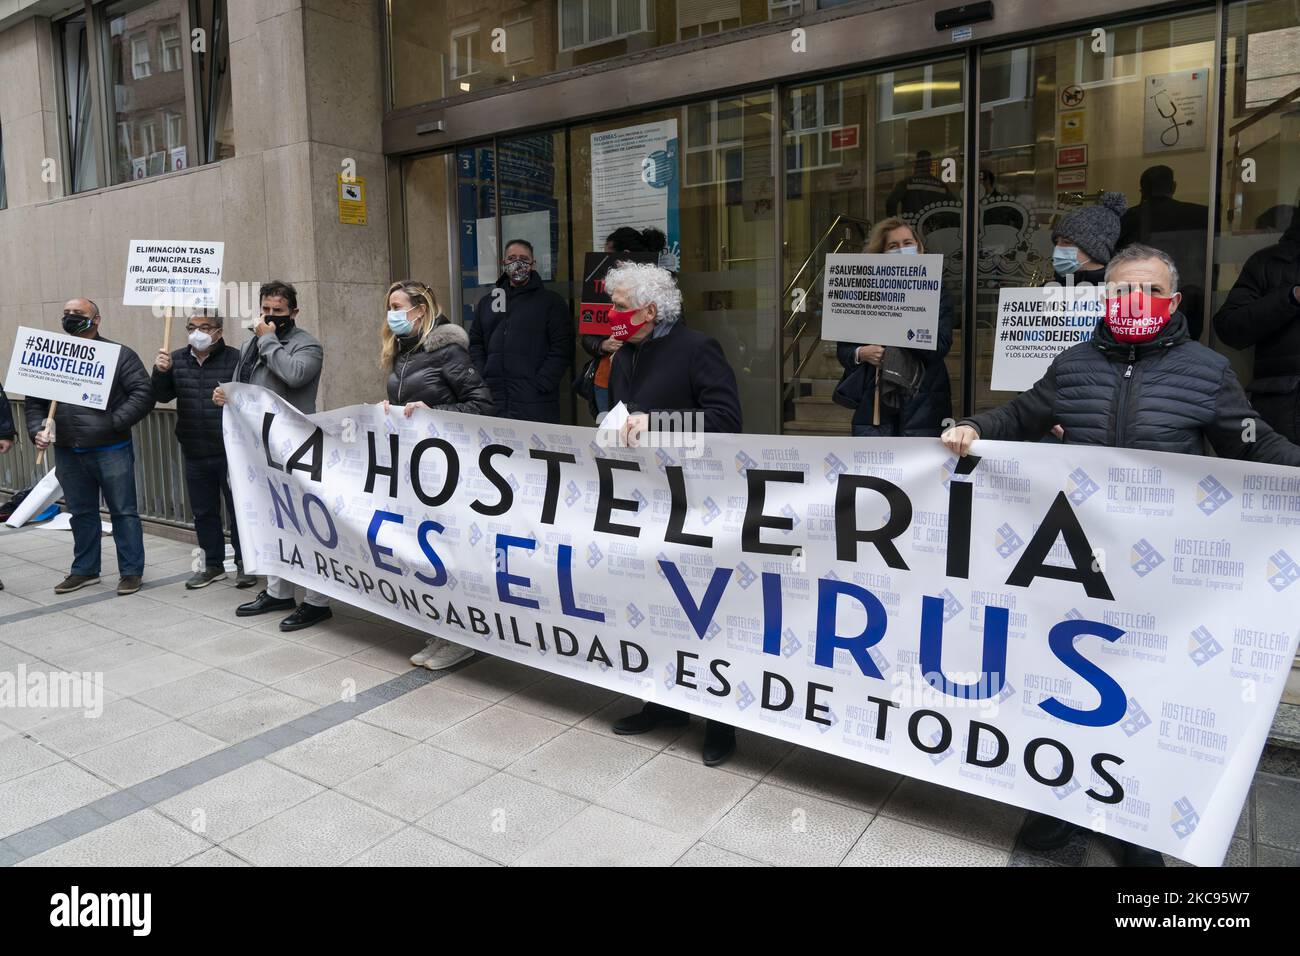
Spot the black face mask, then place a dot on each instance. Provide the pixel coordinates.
(75, 324)
(282, 323)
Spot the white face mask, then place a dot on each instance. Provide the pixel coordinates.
(904, 251)
(200, 341)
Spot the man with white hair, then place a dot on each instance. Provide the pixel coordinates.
(1141, 382)
(675, 382)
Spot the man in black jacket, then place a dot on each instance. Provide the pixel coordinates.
(1141, 382)
(189, 375)
(1263, 310)
(521, 340)
(7, 433)
(94, 456)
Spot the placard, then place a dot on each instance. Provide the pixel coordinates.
(1036, 325)
(595, 306)
(168, 273)
(882, 299)
(62, 368)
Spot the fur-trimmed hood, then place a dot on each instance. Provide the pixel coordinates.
(444, 334)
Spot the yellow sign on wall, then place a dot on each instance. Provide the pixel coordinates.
(352, 201)
(1072, 129)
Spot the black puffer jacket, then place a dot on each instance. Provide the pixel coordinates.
(924, 414)
(6, 417)
(681, 371)
(438, 372)
(1170, 394)
(1261, 310)
(523, 352)
(190, 383)
(76, 426)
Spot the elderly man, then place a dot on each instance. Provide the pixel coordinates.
(1142, 382)
(94, 456)
(189, 376)
(671, 379)
(287, 360)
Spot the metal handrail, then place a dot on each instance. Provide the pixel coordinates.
(159, 466)
(840, 217)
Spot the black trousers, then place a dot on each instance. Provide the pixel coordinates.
(208, 482)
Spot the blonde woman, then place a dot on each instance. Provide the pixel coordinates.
(427, 360)
(922, 412)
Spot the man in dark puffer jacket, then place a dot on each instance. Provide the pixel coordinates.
(1263, 310)
(93, 455)
(189, 376)
(521, 340)
(1141, 382)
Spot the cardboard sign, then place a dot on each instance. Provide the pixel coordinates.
(1036, 325)
(882, 299)
(62, 368)
(165, 273)
(594, 309)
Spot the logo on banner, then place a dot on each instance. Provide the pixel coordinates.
(1007, 541)
(594, 554)
(744, 696)
(744, 462)
(745, 575)
(1080, 487)
(1201, 646)
(664, 460)
(711, 511)
(572, 493)
(833, 466)
(1211, 495)
(1067, 788)
(475, 535)
(949, 467)
(1183, 818)
(936, 738)
(1144, 558)
(1135, 718)
(831, 719)
(790, 644)
(634, 615)
(1282, 571)
(951, 606)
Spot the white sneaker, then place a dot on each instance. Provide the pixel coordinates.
(448, 655)
(431, 647)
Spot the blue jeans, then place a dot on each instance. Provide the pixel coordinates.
(602, 398)
(84, 477)
(208, 484)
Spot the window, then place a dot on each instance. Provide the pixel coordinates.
(701, 18)
(930, 90)
(814, 112)
(714, 138)
(77, 114)
(175, 130)
(779, 9)
(519, 41)
(216, 122)
(1272, 68)
(140, 57)
(171, 48)
(463, 44)
(588, 22)
(1118, 64)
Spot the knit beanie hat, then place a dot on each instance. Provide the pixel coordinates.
(1095, 229)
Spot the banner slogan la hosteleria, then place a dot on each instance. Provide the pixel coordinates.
(1098, 634)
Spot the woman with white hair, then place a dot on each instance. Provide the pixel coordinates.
(672, 379)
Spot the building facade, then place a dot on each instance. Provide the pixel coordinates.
(781, 130)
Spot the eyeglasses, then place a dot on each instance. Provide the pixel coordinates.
(209, 329)
(510, 259)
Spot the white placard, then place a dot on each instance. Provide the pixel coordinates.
(1036, 325)
(172, 274)
(999, 657)
(882, 299)
(1174, 111)
(62, 368)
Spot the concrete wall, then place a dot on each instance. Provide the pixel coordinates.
(307, 93)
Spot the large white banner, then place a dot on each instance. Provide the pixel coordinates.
(1097, 634)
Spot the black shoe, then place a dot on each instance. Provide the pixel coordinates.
(75, 582)
(719, 743)
(129, 584)
(243, 580)
(264, 604)
(1135, 855)
(305, 616)
(201, 579)
(1042, 832)
(649, 717)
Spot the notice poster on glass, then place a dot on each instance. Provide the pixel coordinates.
(634, 181)
(1174, 111)
(533, 227)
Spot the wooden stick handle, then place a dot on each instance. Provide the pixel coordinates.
(40, 454)
(875, 415)
(167, 329)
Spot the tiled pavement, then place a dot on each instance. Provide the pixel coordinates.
(224, 743)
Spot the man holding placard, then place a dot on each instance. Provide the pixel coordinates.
(93, 454)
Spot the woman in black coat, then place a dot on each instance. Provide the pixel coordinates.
(428, 364)
(671, 378)
(923, 414)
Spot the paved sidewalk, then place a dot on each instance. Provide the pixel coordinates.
(224, 742)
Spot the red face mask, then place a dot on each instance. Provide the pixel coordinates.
(621, 326)
(1137, 317)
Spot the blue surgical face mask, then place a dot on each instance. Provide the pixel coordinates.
(1065, 260)
(904, 251)
(399, 323)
